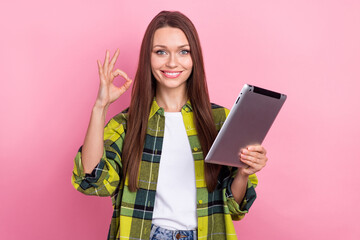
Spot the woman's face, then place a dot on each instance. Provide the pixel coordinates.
(171, 62)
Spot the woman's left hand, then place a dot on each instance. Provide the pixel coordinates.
(254, 156)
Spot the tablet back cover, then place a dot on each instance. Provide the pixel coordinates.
(249, 120)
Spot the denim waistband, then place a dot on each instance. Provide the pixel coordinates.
(159, 233)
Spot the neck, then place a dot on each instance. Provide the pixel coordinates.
(171, 100)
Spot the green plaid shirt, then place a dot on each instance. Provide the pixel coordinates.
(133, 211)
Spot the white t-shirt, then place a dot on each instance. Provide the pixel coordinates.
(175, 200)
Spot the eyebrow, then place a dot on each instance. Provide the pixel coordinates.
(163, 46)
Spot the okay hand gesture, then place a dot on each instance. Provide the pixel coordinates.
(108, 92)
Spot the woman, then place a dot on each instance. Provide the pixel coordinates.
(149, 158)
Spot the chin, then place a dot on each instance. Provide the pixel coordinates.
(173, 85)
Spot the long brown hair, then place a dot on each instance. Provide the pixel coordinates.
(143, 92)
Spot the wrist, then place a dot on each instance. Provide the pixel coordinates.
(100, 106)
(241, 176)
(99, 110)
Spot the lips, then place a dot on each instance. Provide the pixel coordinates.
(171, 74)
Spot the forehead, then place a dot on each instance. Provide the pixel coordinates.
(169, 36)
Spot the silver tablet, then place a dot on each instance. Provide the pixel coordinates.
(249, 120)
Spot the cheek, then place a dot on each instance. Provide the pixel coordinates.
(152, 63)
(156, 62)
(155, 73)
(188, 63)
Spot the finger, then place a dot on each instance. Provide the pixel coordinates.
(99, 65)
(249, 158)
(257, 158)
(118, 72)
(113, 60)
(128, 82)
(101, 73)
(250, 167)
(257, 148)
(245, 152)
(106, 62)
(254, 167)
(126, 86)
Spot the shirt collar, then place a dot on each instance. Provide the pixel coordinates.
(187, 107)
(155, 108)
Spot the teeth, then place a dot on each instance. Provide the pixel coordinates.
(172, 73)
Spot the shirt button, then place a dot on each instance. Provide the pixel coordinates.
(187, 109)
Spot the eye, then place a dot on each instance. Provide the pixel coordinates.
(160, 52)
(184, 52)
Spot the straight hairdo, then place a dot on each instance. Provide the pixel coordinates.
(143, 92)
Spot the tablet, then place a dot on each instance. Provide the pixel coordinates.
(248, 122)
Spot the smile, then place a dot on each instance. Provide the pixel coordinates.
(171, 74)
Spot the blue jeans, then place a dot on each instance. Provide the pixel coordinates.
(159, 233)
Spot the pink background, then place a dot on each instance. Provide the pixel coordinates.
(309, 50)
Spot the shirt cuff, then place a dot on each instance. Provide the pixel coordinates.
(90, 179)
(86, 180)
(239, 210)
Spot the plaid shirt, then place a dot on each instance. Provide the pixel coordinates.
(133, 211)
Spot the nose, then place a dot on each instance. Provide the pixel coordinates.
(172, 61)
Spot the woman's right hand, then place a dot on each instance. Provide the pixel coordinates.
(108, 92)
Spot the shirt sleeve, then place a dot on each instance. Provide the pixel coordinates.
(238, 211)
(106, 176)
